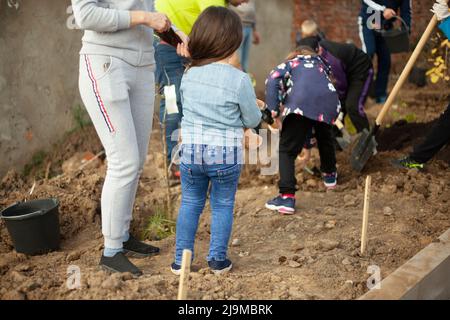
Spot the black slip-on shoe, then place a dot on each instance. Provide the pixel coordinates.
(138, 249)
(119, 263)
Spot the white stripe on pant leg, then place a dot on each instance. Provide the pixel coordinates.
(361, 34)
(121, 145)
(97, 94)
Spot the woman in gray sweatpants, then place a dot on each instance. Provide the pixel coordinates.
(117, 86)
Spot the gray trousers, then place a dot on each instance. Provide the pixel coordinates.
(120, 101)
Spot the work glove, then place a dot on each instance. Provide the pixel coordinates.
(440, 9)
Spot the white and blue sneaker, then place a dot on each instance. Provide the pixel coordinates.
(330, 180)
(282, 204)
(220, 267)
(176, 269)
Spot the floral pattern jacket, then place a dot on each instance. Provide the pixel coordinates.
(303, 86)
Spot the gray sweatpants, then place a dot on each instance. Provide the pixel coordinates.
(120, 101)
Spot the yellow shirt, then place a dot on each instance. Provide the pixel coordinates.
(184, 13)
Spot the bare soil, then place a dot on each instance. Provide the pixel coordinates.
(313, 254)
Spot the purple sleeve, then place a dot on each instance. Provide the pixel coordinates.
(275, 86)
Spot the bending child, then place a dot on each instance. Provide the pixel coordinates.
(218, 103)
(351, 67)
(310, 101)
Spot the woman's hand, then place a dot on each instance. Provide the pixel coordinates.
(154, 20)
(157, 21)
(440, 9)
(389, 13)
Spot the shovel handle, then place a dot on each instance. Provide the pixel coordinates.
(407, 70)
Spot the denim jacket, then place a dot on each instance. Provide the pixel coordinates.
(218, 103)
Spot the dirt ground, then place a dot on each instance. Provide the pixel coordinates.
(313, 254)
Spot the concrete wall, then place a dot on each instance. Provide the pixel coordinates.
(275, 20)
(39, 70)
(38, 78)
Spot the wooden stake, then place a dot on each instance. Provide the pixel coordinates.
(47, 171)
(166, 170)
(184, 277)
(365, 223)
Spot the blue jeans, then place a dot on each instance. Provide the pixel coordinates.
(169, 71)
(222, 180)
(245, 47)
(375, 44)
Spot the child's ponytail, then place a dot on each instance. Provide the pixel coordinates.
(216, 35)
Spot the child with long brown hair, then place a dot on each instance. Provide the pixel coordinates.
(218, 103)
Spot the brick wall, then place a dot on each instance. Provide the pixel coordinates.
(338, 18)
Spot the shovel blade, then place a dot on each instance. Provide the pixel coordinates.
(365, 148)
(343, 143)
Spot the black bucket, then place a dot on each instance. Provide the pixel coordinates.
(33, 226)
(397, 39)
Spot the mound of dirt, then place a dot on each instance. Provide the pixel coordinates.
(313, 254)
(403, 135)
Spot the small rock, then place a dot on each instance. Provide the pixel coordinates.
(311, 183)
(30, 285)
(423, 190)
(73, 256)
(292, 236)
(318, 227)
(294, 264)
(329, 211)
(328, 245)
(355, 253)
(292, 226)
(349, 201)
(235, 243)
(387, 211)
(14, 295)
(297, 294)
(282, 259)
(390, 189)
(310, 260)
(111, 283)
(413, 173)
(435, 189)
(23, 268)
(330, 224)
(17, 277)
(348, 284)
(346, 262)
(297, 247)
(244, 254)
(127, 276)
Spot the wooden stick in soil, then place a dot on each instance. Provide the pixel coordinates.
(166, 171)
(365, 223)
(47, 171)
(184, 277)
